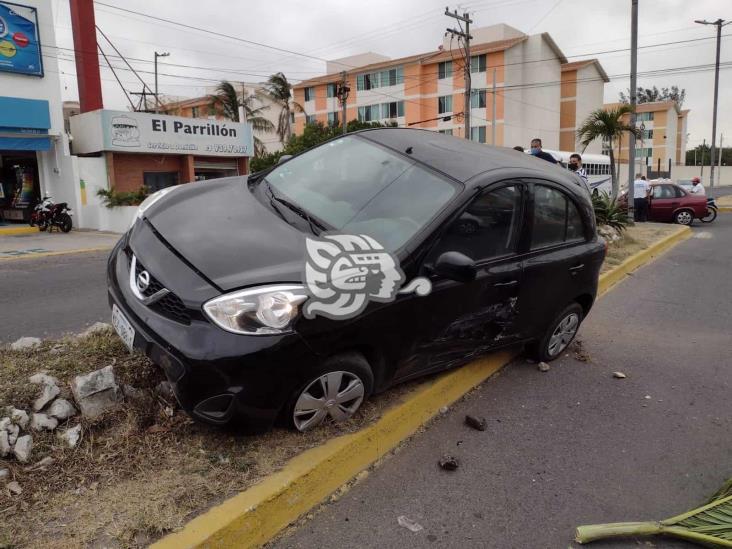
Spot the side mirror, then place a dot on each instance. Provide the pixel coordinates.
(284, 158)
(455, 266)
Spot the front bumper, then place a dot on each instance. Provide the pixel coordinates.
(218, 377)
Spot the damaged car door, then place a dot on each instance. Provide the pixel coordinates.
(476, 279)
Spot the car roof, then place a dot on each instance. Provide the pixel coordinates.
(463, 159)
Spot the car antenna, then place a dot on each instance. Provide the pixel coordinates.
(408, 150)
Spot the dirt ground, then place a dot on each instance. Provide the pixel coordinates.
(634, 239)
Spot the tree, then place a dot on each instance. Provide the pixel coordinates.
(703, 153)
(650, 95)
(279, 90)
(226, 102)
(607, 125)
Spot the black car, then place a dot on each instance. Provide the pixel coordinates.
(209, 281)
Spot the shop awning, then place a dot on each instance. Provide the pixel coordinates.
(24, 142)
(24, 124)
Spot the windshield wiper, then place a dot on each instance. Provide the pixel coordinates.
(313, 223)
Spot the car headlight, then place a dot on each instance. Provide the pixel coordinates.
(257, 311)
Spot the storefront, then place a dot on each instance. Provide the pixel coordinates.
(24, 127)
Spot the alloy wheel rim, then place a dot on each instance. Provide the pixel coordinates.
(563, 334)
(684, 218)
(337, 395)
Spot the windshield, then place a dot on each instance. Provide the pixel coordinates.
(357, 187)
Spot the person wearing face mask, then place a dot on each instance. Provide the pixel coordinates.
(537, 152)
(575, 165)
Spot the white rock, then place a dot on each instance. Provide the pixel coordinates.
(543, 367)
(619, 375)
(39, 422)
(13, 432)
(14, 487)
(43, 379)
(4, 444)
(23, 447)
(71, 436)
(4, 422)
(19, 417)
(96, 328)
(25, 343)
(4, 473)
(57, 349)
(96, 392)
(49, 393)
(61, 409)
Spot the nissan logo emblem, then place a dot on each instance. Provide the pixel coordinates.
(143, 281)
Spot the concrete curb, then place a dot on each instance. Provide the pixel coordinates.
(619, 272)
(724, 209)
(12, 231)
(256, 515)
(60, 252)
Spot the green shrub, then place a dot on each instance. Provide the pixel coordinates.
(113, 198)
(609, 211)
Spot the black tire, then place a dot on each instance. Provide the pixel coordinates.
(65, 222)
(684, 217)
(42, 226)
(711, 215)
(540, 350)
(354, 366)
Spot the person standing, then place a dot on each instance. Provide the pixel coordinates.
(575, 165)
(537, 152)
(697, 187)
(640, 198)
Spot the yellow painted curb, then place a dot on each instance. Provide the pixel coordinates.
(60, 252)
(12, 231)
(254, 516)
(724, 209)
(619, 272)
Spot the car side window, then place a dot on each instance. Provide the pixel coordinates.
(680, 193)
(556, 218)
(488, 228)
(657, 191)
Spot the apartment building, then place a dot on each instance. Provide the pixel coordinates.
(664, 139)
(583, 84)
(427, 90)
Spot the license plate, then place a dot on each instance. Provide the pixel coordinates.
(123, 327)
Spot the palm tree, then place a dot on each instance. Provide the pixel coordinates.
(226, 102)
(279, 90)
(607, 125)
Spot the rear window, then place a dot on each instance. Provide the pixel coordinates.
(556, 218)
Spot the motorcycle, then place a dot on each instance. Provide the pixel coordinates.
(47, 215)
(711, 211)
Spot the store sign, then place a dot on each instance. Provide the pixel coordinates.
(150, 133)
(20, 45)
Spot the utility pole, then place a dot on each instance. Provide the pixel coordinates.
(719, 160)
(465, 35)
(719, 23)
(493, 117)
(633, 101)
(157, 100)
(342, 94)
(704, 146)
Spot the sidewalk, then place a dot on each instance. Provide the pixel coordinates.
(574, 445)
(39, 244)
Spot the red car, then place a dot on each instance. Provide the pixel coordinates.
(670, 203)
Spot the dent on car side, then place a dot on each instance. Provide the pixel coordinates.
(238, 242)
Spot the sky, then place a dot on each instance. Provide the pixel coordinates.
(329, 29)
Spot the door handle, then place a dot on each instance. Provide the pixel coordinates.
(507, 283)
(576, 268)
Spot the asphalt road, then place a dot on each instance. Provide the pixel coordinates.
(574, 445)
(50, 296)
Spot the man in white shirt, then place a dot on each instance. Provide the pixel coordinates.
(697, 187)
(640, 198)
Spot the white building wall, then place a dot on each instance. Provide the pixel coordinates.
(54, 166)
(672, 124)
(590, 91)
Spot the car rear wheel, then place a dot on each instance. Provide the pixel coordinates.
(684, 217)
(559, 335)
(334, 392)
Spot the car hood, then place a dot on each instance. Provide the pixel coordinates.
(228, 235)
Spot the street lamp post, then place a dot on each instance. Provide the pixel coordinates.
(342, 94)
(719, 23)
(157, 101)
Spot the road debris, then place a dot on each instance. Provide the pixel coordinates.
(25, 344)
(648, 397)
(543, 367)
(4, 444)
(96, 392)
(71, 436)
(4, 473)
(14, 488)
(580, 354)
(61, 409)
(41, 422)
(477, 423)
(409, 524)
(449, 463)
(619, 375)
(22, 448)
(18, 417)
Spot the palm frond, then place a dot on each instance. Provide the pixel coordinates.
(226, 101)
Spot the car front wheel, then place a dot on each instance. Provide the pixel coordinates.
(334, 392)
(559, 335)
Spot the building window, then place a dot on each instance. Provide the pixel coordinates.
(309, 119)
(331, 90)
(388, 77)
(159, 180)
(292, 117)
(647, 134)
(477, 63)
(381, 111)
(644, 116)
(444, 104)
(477, 99)
(644, 152)
(444, 69)
(445, 132)
(477, 133)
(309, 93)
(333, 118)
(194, 112)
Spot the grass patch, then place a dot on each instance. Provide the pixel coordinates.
(633, 240)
